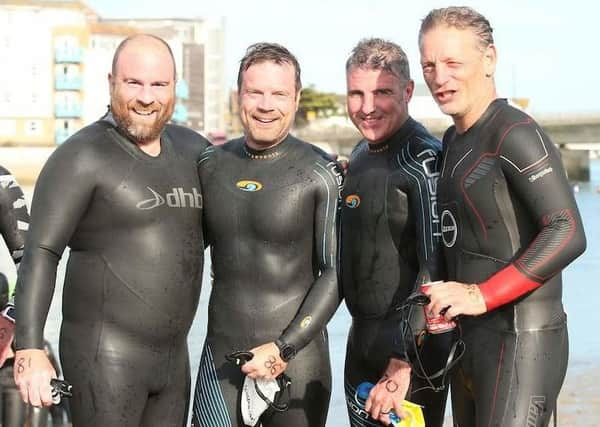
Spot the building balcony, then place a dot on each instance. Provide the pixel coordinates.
(63, 82)
(61, 135)
(182, 90)
(67, 111)
(68, 56)
(180, 114)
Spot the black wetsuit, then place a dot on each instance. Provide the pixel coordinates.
(509, 223)
(133, 224)
(271, 221)
(14, 223)
(390, 244)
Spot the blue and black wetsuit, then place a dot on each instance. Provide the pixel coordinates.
(271, 224)
(390, 244)
(133, 224)
(510, 224)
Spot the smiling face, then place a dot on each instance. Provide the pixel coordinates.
(268, 103)
(459, 72)
(377, 102)
(142, 89)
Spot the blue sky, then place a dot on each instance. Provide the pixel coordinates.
(547, 48)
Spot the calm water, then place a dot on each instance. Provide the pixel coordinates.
(581, 298)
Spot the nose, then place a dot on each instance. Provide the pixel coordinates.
(145, 95)
(441, 75)
(266, 102)
(368, 104)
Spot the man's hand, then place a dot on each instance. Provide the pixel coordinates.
(389, 393)
(7, 333)
(455, 298)
(33, 372)
(266, 362)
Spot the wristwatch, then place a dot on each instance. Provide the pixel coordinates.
(286, 351)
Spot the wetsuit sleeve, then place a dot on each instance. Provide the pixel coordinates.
(62, 193)
(323, 296)
(14, 218)
(420, 165)
(536, 178)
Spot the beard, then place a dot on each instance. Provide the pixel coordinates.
(137, 130)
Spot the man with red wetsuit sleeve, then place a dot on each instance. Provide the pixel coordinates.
(510, 224)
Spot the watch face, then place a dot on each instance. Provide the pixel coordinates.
(288, 353)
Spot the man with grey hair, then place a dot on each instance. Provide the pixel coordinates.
(389, 232)
(510, 225)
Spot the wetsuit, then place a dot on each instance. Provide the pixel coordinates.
(133, 225)
(14, 223)
(14, 218)
(271, 223)
(390, 244)
(509, 224)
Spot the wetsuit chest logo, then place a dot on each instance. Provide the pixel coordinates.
(249, 185)
(352, 201)
(177, 198)
(449, 228)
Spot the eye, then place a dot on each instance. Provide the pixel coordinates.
(427, 68)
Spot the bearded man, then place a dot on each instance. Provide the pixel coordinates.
(123, 194)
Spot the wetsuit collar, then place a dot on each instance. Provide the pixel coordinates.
(269, 153)
(488, 113)
(401, 134)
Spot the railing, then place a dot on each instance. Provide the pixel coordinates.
(61, 135)
(63, 82)
(66, 111)
(68, 56)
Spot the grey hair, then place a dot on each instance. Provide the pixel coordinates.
(379, 54)
(460, 17)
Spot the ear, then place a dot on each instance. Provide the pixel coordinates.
(298, 95)
(489, 60)
(409, 90)
(110, 83)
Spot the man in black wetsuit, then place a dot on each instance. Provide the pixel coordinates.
(14, 223)
(271, 205)
(509, 226)
(390, 239)
(123, 194)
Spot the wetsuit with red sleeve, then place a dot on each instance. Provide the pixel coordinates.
(510, 224)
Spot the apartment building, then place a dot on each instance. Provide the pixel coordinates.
(56, 56)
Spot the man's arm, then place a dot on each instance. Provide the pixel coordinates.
(323, 298)
(62, 194)
(14, 223)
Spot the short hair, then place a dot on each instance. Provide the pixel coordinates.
(379, 54)
(268, 52)
(124, 43)
(460, 17)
